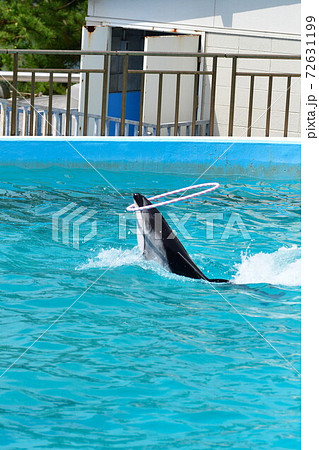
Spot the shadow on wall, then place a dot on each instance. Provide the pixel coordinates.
(226, 12)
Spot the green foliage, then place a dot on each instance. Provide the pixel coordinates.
(41, 24)
(24, 88)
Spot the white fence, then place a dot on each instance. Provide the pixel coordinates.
(58, 127)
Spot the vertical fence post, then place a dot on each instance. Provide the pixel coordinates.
(68, 106)
(49, 118)
(159, 104)
(212, 97)
(104, 93)
(14, 130)
(177, 96)
(232, 97)
(25, 121)
(86, 103)
(288, 90)
(269, 105)
(195, 102)
(140, 123)
(251, 103)
(124, 92)
(31, 124)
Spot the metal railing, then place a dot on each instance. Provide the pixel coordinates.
(206, 76)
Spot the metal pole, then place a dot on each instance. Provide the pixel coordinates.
(68, 107)
(104, 93)
(142, 53)
(86, 103)
(14, 95)
(177, 96)
(140, 124)
(232, 97)
(268, 106)
(251, 103)
(159, 105)
(124, 91)
(31, 125)
(288, 91)
(49, 121)
(195, 103)
(212, 97)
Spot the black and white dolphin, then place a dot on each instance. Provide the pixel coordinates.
(158, 242)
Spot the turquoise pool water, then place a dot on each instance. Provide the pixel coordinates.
(144, 358)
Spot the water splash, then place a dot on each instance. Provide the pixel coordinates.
(117, 257)
(114, 257)
(281, 268)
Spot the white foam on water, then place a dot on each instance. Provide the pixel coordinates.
(282, 267)
(117, 257)
(113, 257)
(279, 268)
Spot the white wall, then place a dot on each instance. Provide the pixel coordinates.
(274, 16)
(225, 43)
(281, 16)
(173, 44)
(99, 39)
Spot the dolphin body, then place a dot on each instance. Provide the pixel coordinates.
(157, 242)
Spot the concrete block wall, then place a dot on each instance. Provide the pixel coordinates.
(243, 44)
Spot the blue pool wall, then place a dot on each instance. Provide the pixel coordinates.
(253, 157)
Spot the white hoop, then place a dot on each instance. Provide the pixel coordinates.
(175, 200)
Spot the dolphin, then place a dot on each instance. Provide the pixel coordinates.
(157, 242)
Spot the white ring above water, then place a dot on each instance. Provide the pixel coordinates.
(212, 187)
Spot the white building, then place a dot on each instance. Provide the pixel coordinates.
(210, 26)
